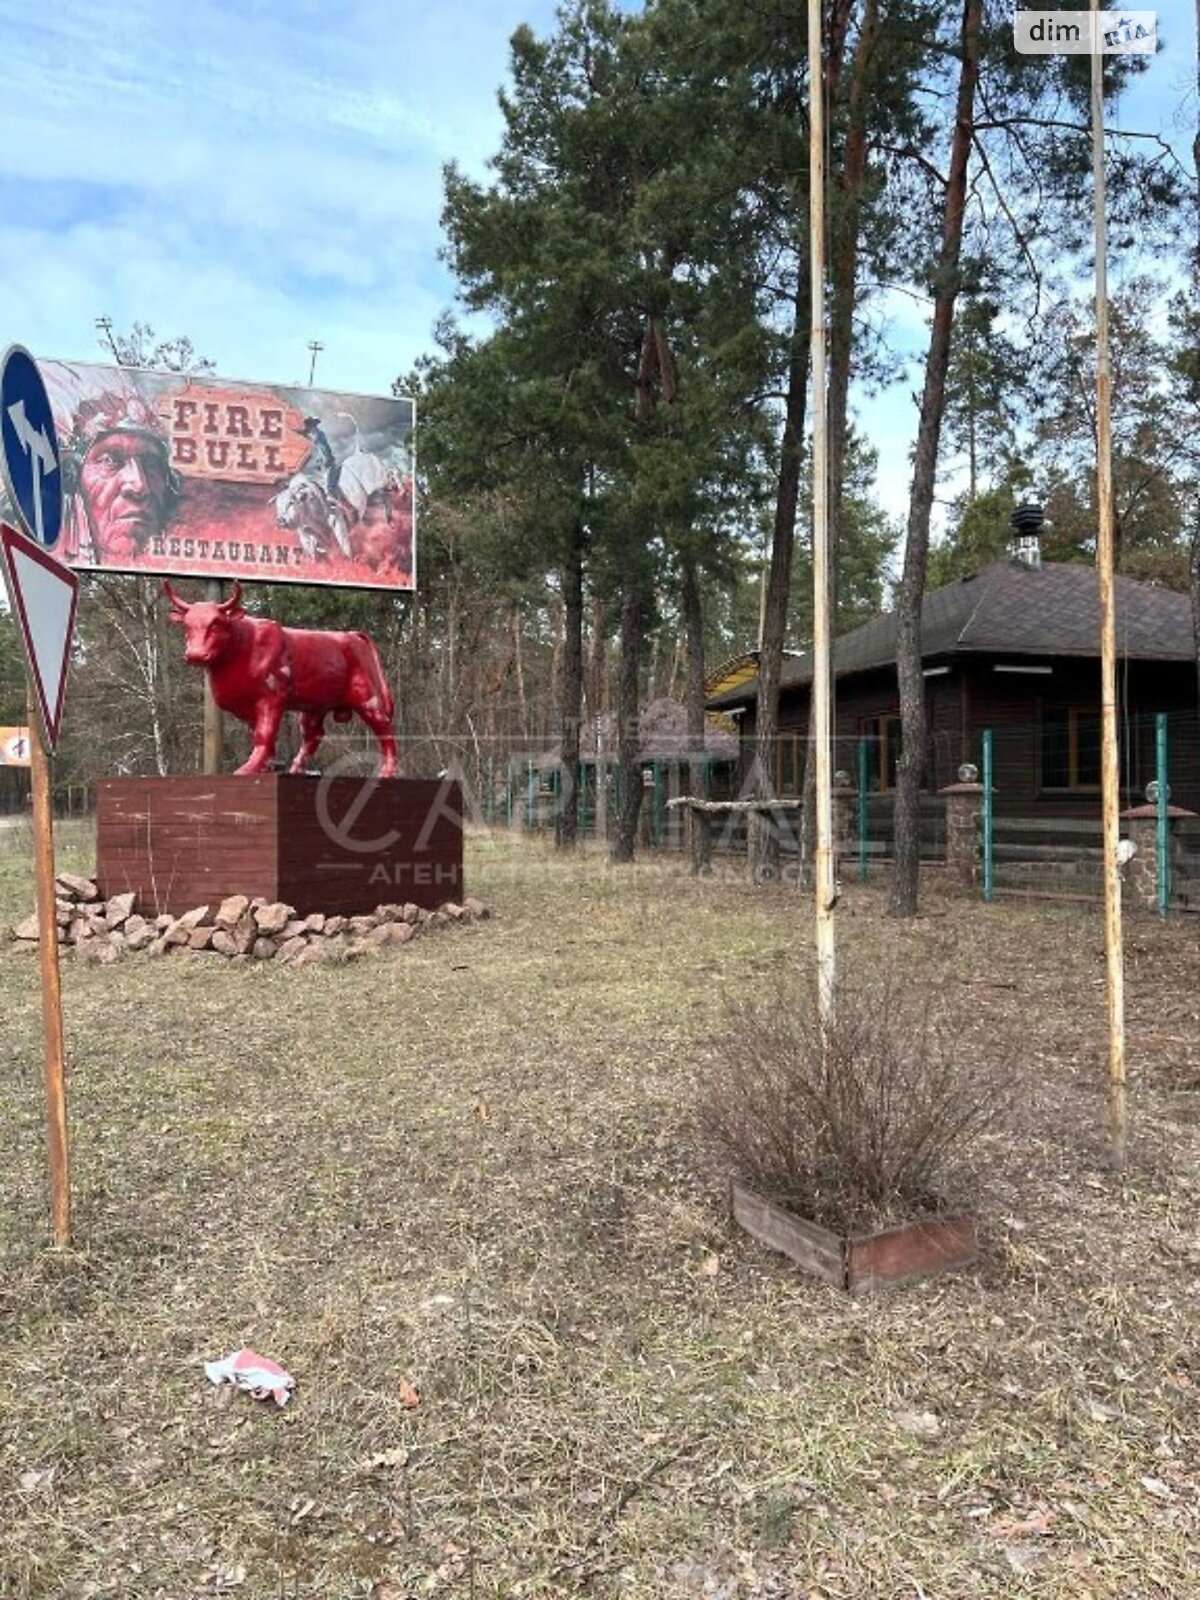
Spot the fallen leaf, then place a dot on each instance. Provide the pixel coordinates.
(1025, 1558)
(483, 1111)
(410, 1395)
(300, 1509)
(1156, 1487)
(1036, 1522)
(1102, 1413)
(397, 1457)
(921, 1424)
(222, 1579)
(710, 1266)
(455, 1564)
(35, 1479)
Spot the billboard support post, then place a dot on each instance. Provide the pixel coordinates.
(214, 591)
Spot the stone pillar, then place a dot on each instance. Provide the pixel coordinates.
(845, 825)
(964, 843)
(1140, 873)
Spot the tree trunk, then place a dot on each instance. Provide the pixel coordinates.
(763, 837)
(652, 671)
(628, 733)
(519, 668)
(693, 622)
(677, 653)
(1195, 586)
(916, 547)
(450, 675)
(571, 692)
(549, 705)
(597, 693)
(655, 358)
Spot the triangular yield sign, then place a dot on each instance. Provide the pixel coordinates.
(43, 594)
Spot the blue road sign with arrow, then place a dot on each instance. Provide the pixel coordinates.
(29, 447)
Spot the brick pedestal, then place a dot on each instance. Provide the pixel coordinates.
(338, 845)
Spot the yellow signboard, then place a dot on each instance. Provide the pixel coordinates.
(14, 747)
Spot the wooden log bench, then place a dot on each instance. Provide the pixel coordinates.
(701, 813)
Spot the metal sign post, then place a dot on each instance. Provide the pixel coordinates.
(54, 1053)
(1162, 823)
(43, 596)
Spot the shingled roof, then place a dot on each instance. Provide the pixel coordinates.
(1016, 610)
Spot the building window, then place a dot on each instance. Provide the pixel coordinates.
(1070, 757)
(882, 735)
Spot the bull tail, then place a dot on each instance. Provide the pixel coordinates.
(376, 665)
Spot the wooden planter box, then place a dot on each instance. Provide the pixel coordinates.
(342, 845)
(858, 1262)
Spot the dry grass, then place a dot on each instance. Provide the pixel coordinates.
(463, 1165)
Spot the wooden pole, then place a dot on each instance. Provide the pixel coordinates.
(212, 711)
(822, 708)
(1109, 764)
(54, 1057)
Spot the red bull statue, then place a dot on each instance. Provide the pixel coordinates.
(258, 669)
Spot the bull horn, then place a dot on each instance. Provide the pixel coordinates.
(235, 599)
(178, 603)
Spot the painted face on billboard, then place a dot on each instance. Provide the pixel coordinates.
(125, 484)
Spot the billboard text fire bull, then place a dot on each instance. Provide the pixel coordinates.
(190, 476)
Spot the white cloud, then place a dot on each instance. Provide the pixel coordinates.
(250, 174)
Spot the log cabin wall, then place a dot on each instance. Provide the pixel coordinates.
(973, 696)
(1020, 707)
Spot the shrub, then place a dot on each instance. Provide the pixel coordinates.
(869, 1125)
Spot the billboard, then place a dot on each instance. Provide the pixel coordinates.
(196, 476)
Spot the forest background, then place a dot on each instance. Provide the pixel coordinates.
(612, 419)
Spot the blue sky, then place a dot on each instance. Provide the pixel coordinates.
(253, 174)
(258, 174)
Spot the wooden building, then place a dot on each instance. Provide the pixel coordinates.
(1014, 649)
